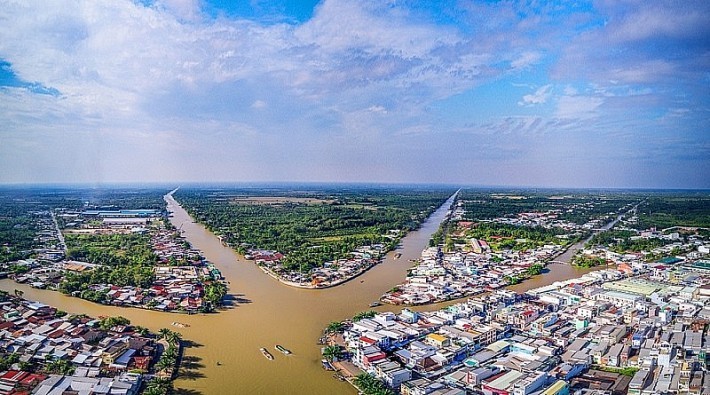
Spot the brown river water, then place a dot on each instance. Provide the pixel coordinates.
(225, 356)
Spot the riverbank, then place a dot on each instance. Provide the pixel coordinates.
(260, 311)
(327, 274)
(104, 351)
(266, 265)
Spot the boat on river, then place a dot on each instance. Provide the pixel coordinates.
(397, 255)
(282, 349)
(266, 354)
(327, 365)
(180, 324)
(375, 304)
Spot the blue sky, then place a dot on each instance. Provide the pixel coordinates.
(570, 94)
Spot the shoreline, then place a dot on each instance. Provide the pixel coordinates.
(336, 283)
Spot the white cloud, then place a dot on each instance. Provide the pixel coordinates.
(539, 97)
(259, 104)
(526, 59)
(377, 109)
(578, 107)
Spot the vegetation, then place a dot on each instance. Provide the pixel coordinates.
(215, 291)
(310, 227)
(60, 366)
(579, 208)
(7, 360)
(628, 371)
(504, 236)
(335, 327)
(112, 250)
(124, 259)
(22, 208)
(370, 385)
(620, 241)
(674, 210)
(364, 314)
(110, 322)
(159, 386)
(332, 353)
(587, 261)
(535, 269)
(169, 359)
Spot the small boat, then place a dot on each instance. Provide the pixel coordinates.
(266, 354)
(180, 324)
(397, 255)
(284, 350)
(327, 365)
(219, 363)
(375, 304)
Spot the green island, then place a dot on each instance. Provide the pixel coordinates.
(316, 236)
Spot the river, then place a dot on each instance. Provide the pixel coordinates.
(263, 313)
(561, 268)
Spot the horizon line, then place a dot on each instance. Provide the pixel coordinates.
(136, 184)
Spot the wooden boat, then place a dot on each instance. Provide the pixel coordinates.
(266, 354)
(397, 255)
(180, 324)
(282, 349)
(327, 365)
(375, 304)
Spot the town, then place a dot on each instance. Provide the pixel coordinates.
(607, 332)
(637, 322)
(47, 351)
(120, 257)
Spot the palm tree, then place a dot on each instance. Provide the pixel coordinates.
(332, 353)
(163, 333)
(173, 337)
(159, 386)
(334, 327)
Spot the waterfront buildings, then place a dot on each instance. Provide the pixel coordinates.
(582, 336)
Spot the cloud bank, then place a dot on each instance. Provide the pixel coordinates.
(591, 94)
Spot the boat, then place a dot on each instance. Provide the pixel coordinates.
(282, 349)
(397, 255)
(266, 354)
(327, 365)
(180, 324)
(375, 304)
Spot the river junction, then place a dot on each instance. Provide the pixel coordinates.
(224, 355)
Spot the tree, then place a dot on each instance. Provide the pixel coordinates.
(109, 322)
(335, 327)
(159, 386)
(364, 314)
(370, 385)
(535, 269)
(60, 366)
(332, 353)
(214, 292)
(163, 332)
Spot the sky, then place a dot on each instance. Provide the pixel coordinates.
(600, 94)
